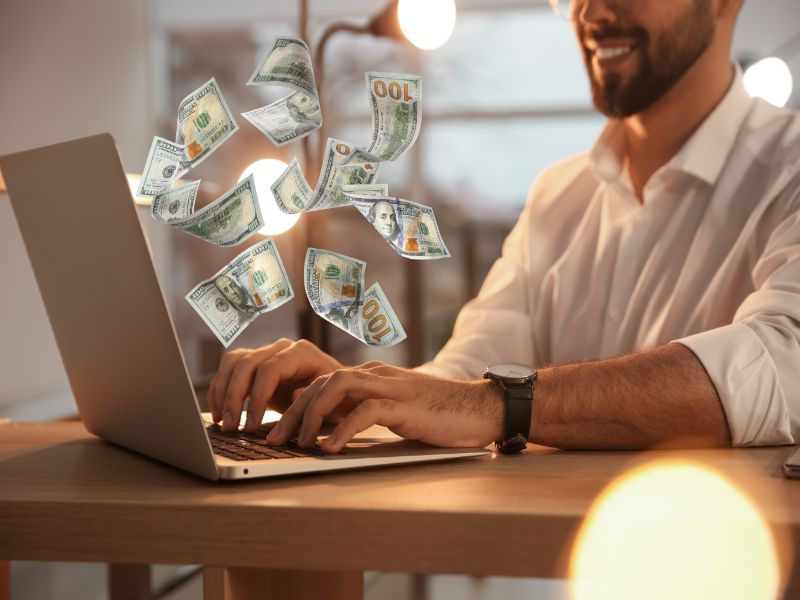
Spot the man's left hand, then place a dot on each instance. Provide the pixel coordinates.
(413, 405)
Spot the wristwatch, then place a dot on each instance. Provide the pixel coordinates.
(518, 383)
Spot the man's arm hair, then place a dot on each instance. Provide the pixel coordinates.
(657, 398)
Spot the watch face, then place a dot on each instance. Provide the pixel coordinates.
(511, 371)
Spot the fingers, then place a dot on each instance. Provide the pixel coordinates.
(291, 363)
(293, 416)
(353, 384)
(370, 412)
(236, 369)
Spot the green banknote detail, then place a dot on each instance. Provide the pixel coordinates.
(396, 113)
(177, 203)
(161, 167)
(287, 63)
(229, 220)
(334, 285)
(204, 123)
(408, 227)
(251, 284)
(291, 190)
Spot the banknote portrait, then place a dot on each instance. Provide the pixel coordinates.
(305, 111)
(383, 217)
(234, 293)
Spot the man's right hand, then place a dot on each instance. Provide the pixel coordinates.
(272, 376)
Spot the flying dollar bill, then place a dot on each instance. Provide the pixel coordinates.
(161, 167)
(229, 220)
(298, 114)
(343, 165)
(379, 323)
(396, 113)
(291, 190)
(176, 203)
(253, 283)
(204, 123)
(334, 286)
(410, 228)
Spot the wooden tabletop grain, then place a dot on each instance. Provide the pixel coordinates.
(66, 495)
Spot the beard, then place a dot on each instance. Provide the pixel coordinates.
(663, 60)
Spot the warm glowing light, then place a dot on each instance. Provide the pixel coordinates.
(133, 184)
(769, 79)
(265, 172)
(674, 530)
(427, 23)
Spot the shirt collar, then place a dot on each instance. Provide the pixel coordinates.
(704, 153)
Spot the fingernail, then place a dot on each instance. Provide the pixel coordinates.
(250, 422)
(227, 420)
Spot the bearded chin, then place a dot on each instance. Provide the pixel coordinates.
(674, 54)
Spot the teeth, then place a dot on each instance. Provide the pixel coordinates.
(612, 52)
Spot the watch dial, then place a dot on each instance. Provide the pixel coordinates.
(511, 370)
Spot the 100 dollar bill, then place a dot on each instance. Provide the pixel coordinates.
(396, 113)
(177, 203)
(204, 123)
(229, 220)
(161, 167)
(379, 323)
(298, 114)
(343, 165)
(253, 283)
(334, 285)
(408, 227)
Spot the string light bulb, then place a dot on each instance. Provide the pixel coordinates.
(427, 24)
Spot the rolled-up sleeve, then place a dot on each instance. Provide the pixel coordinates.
(495, 326)
(754, 363)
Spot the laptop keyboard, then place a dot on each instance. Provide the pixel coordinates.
(238, 445)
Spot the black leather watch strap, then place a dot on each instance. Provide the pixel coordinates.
(518, 382)
(519, 405)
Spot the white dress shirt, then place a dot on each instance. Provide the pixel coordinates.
(710, 258)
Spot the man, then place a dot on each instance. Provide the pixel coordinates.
(673, 247)
(383, 218)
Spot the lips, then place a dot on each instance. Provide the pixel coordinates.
(609, 53)
(612, 52)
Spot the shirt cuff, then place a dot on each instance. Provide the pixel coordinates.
(747, 383)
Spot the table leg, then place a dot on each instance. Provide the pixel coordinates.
(279, 584)
(129, 582)
(5, 580)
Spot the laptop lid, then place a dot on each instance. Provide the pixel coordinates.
(107, 311)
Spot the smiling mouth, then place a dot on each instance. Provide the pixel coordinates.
(609, 53)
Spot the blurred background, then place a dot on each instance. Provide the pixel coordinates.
(504, 95)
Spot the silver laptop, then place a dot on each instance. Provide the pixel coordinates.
(116, 338)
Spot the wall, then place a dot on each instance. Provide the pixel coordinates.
(67, 70)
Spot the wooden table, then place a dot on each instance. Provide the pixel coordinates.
(65, 495)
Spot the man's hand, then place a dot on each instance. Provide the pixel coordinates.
(272, 376)
(442, 412)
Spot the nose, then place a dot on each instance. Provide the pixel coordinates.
(591, 12)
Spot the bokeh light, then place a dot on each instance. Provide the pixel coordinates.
(265, 172)
(769, 79)
(427, 23)
(674, 530)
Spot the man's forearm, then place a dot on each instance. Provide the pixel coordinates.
(661, 397)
